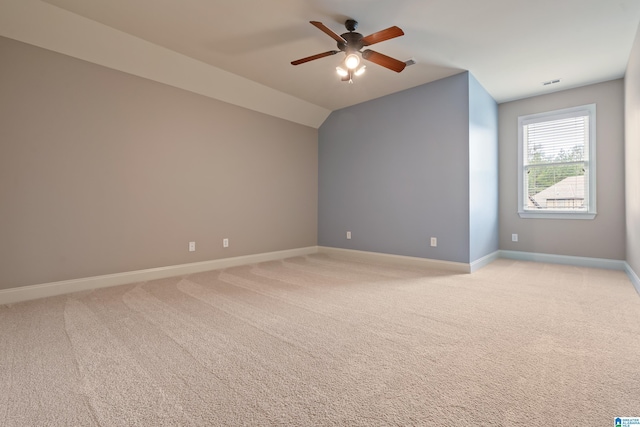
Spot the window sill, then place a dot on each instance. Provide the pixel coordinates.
(557, 215)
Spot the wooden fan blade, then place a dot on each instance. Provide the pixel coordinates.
(313, 57)
(380, 36)
(384, 60)
(328, 31)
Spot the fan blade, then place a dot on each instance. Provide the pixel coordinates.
(313, 57)
(328, 31)
(380, 36)
(384, 60)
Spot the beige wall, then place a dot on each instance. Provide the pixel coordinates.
(102, 172)
(603, 237)
(632, 155)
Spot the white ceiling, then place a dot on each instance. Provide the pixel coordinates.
(510, 46)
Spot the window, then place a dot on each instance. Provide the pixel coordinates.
(556, 164)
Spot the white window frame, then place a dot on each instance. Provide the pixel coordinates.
(590, 172)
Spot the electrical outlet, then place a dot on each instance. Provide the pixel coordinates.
(514, 237)
(434, 242)
(225, 243)
(348, 235)
(192, 246)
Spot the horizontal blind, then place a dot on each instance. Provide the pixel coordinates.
(557, 141)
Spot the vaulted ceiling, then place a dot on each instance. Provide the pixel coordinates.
(511, 46)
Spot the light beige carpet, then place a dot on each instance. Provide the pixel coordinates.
(322, 341)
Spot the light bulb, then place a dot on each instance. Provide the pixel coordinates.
(352, 61)
(342, 72)
(360, 71)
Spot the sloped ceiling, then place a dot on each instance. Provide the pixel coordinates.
(240, 51)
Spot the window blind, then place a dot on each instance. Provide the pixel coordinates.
(557, 141)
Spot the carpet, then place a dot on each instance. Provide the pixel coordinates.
(323, 341)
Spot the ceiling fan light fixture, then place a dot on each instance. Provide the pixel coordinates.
(342, 72)
(352, 61)
(360, 71)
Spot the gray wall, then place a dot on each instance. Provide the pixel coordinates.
(632, 155)
(603, 237)
(103, 172)
(394, 171)
(483, 171)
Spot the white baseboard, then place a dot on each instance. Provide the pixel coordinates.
(632, 276)
(400, 259)
(24, 293)
(484, 261)
(609, 264)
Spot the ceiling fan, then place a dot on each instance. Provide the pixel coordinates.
(351, 43)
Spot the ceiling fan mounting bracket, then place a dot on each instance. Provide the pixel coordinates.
(351, 24)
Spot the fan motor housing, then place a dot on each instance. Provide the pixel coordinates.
(353, 39)
(354, 42)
